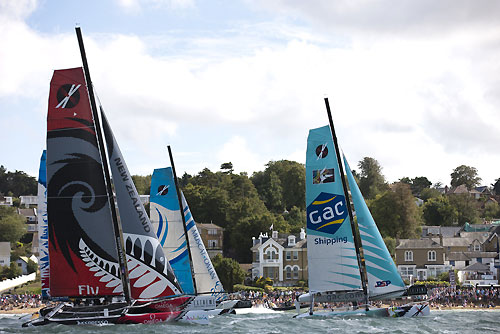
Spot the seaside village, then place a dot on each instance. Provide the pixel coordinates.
(467, 255)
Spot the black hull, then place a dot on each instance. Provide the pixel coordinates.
(68, 314)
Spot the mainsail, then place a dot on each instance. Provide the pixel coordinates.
(383, 277)
(331, 254)
(82, 250)
(166, 217)
(149, 271)
(43, 228)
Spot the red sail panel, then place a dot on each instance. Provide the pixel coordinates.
(82, 248)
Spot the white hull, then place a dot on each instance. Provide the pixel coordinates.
(407, 311)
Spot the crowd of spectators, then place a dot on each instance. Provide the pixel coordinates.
(440, 297)
(9, 302)
(480, 297)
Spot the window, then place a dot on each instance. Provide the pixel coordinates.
(408, 255)
(291, 240)
(452, 262)
(477, 247)
(288, 273)
(212, 231)
(295, 255)
(406, 271)
(288, 255)
(213, 243)
(271, 254)
(431, 255)
(296, 272)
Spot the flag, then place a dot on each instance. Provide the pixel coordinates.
(271, 228)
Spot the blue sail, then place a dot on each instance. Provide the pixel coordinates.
(167, 221)
(383, 276)
(332, 261)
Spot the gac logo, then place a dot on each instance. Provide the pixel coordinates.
(326, 213)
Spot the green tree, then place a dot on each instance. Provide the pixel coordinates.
(142, 184)
(371, 180)
(396, 213)
(390, 243)
(491, 211)
(32, 266)
(17, 183)
(12, 224)
(229, 272)
(417, 185)
(465, 175)
(466, 207)
(429, 193)
(296, 219)
(12, 271)
(281, 185)
(439, 211)
(227, 167)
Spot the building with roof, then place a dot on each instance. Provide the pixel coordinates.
(420, 259)
(281, 257)
(213, 238)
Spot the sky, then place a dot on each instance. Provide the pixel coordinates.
(412, 84)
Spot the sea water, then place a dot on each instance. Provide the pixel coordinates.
(446, 322)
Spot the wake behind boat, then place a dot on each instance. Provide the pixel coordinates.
(348, 262)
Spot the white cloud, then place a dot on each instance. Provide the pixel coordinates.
(136, 5)
(238, 153)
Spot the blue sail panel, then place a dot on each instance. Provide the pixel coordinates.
(330, 241)
(383, 276)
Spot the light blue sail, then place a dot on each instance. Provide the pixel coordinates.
(331, 254)
(167, 220)
(383, 276)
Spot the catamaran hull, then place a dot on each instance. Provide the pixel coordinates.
(407, 311)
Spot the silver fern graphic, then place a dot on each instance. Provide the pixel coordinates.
(143, 274)
(101, 267)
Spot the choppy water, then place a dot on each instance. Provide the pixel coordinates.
(447, 322)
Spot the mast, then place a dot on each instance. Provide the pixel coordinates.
(122, 261)
(179, 198)
(357, 240)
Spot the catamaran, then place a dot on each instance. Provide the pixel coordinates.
(106, 264)
(347, 262)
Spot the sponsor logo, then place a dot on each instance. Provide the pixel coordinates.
(92, 322)
(325, 175)
(326, 213)
(68, 96)
(321, 151)
(381, 284)
(329, 241)
(162, 190)
(88, 290)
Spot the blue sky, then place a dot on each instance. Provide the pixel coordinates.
(414, 86)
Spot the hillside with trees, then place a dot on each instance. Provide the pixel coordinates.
(248, 205)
